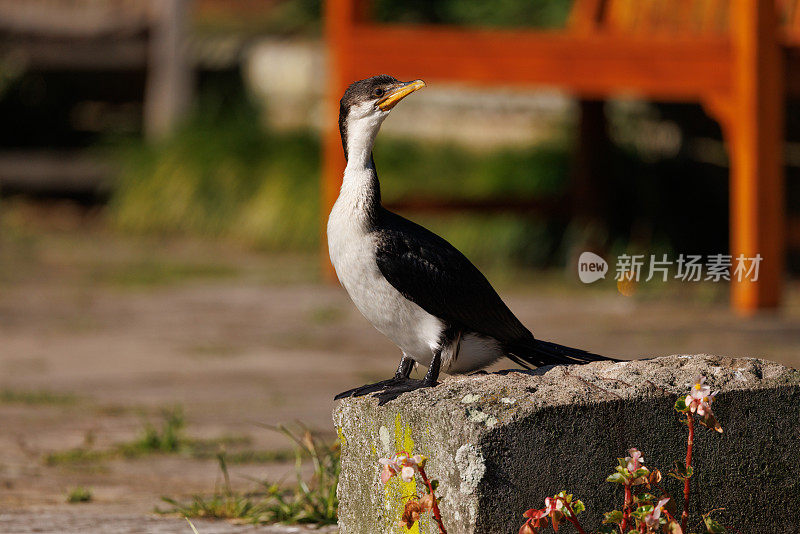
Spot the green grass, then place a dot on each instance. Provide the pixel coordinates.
(158, 273)
(75, 456)
(194, 530)
(36, 397)
(223, 176)
(210, 448)
(79, 494)
(308, 501)
(170, 438)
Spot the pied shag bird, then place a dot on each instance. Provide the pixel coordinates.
(411, 284)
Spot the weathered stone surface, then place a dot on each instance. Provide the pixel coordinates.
(500, 443)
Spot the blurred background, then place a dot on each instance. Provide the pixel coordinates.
(160, 203)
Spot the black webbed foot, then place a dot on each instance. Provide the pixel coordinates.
(387, 390)
(366, 389)
(392, 392)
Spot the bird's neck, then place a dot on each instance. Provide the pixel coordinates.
(361, 192)
(360, 186)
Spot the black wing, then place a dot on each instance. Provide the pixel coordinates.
(433, 274)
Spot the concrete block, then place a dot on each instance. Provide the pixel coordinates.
(500, 443)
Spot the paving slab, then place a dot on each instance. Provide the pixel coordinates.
(63, 522)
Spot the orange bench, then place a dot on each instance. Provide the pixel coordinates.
(728, 55)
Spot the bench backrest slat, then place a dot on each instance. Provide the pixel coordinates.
(659, 16)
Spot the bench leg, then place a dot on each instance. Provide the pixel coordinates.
(757, 215)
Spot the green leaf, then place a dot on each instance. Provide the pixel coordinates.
(622, 463)
(434, 484)
(617, 477)
(577, 506)
(614, 516)
(712, 527)
(680, 471)
(709, 421)
(641, 511)
(673, 528)
(644, 498)
(680, 405)
(641, 472)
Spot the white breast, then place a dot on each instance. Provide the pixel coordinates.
(352, 248)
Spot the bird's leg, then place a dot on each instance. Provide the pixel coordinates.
(393, 391)
(400, 376)
(432, 376)
(405, 368)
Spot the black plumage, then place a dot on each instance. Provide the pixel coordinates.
(430, 283)
(437, 277)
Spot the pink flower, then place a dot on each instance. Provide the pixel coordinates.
(390, 469)
(700, 398)
(635, 460)
(551, 504)
(407, 473)
(651, 518)
(401, 464)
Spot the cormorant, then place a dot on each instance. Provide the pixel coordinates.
(411, 284)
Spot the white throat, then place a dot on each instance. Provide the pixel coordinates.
(363, 124)
(360, 189)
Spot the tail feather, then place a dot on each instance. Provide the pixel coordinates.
(535, 352)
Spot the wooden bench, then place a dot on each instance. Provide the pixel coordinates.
(117, 37)
(729, 55)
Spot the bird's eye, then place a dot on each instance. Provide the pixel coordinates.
(378, 92)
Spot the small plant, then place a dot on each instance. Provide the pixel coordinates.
(309, 501)
(642, 512)
(79, 494)
(559, 508)
(168, 439)
(75, 456)
(407, 467)
(224, 504)
(698, 401)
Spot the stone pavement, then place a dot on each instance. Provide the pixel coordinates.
(60, 521)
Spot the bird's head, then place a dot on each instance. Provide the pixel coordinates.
(365, 105)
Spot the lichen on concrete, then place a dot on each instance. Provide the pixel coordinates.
(500, 443)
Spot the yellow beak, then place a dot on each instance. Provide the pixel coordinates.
(396, 95)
